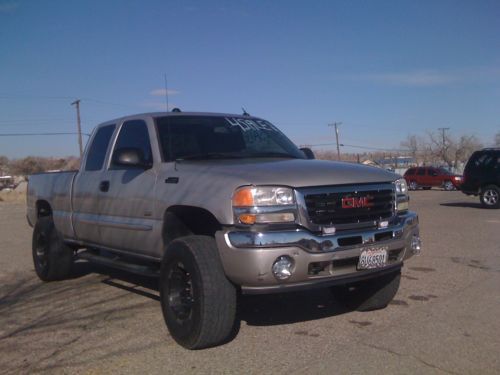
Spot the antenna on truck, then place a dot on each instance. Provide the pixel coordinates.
(166, 89)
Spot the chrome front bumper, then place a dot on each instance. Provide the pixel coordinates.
(247, 257)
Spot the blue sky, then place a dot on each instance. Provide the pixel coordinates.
(385, 69)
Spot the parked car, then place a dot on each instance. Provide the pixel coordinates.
(482, 177)
(427, 177)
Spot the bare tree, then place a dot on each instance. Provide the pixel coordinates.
(441, 148)
(27, 166)
(451, 151)
(497, 139)
(418, 148)
(34, 164)
(4, 164)
(463, 148)
(412, 145)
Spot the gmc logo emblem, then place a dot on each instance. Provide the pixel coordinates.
(357, 202)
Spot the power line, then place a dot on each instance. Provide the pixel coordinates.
(34, 120)
(36, 134)
(38, 97)
(21, 96)
(358, 146)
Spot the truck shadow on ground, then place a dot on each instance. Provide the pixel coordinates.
(463, 205)
(87, 313)
(255, 310)
(42, 324)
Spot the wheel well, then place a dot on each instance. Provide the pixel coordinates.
(485, 185)
(180, 221)
(43, 209)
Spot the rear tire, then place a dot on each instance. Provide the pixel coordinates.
(448, 186)
(370, 294)
(490, 196)
(198, 301)
(52, 259)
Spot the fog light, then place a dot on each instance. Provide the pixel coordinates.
(383, 224)
(283, 267)
(416, 245)
(403, 206)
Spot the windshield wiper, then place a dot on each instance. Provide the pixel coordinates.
(272, 155)
(209, 156)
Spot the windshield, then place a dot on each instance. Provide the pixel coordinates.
(444, 171)
(211, 137)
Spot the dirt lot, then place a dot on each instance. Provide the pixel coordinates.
(445, 318)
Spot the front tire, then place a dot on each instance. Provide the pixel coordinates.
(368, 295)
(490, 196)
(413, 185)
(52, 259)
(198, 301)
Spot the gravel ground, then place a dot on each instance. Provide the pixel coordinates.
(443, 320)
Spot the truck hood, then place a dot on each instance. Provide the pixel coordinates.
(211, 184)
(286, 172)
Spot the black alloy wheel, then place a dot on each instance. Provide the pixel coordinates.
(180, 290)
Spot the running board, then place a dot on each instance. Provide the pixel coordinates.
(118, 263)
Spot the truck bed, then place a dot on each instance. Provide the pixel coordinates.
(53, 188)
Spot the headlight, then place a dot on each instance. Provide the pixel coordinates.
(401, 187)
(264, 204)
(250, 196)
(402, 197)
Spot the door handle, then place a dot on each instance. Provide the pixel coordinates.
(104, 186)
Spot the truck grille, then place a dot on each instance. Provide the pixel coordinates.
(349, 206)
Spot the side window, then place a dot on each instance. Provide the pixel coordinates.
(421, 172)
(481, 160)
(134, 134)
(410, 172)
(98, 148)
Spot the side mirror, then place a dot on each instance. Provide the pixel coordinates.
(130, 157)
(308, 152)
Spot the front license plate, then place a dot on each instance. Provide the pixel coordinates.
(372, 257)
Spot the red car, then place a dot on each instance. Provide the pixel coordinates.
(427, 177)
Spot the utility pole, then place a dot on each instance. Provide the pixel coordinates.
(79, 125)
(443, 147)
(336, 125)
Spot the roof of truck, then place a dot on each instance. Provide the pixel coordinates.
(179, 113)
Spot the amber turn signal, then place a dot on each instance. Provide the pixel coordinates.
(243, 198)
(247, 218)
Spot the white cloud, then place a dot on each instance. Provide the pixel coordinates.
(163, 92)
(431, 78)
(8, 7)
(424, 78)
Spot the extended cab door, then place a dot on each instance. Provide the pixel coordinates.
(128, 219)
(88, 196)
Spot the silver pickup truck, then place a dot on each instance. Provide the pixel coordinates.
(220, 204)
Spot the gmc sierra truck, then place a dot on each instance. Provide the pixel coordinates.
(220, 204)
